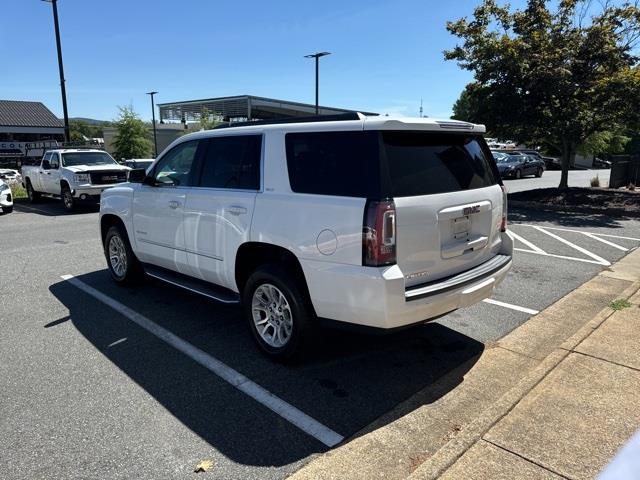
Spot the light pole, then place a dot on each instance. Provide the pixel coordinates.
(317, 57)
(153, 116)
(54, 4)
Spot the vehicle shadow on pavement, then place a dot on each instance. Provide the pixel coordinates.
(346, 381)
(51, 208)
(567, 219)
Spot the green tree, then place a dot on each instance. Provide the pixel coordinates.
(600, 144)
(207, 120)
(80, 131)
(132, 139)
(559, 75)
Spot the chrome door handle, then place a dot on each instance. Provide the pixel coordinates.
(237, 210)
(174, 204)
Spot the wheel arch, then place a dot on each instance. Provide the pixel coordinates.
(109, 220)
(251, 255)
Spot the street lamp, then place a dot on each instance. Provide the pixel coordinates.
(317, 57)
(61, 68)
(153, 116)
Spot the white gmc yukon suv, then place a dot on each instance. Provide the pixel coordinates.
(74, 175)
(371, 221)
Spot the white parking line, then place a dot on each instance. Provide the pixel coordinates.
(515, 236)
(580, 231)
(564, 257)
(597, 258)
(511, 306)
(606, 242)
(287, 411)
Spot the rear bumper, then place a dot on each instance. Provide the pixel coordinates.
(377, 298)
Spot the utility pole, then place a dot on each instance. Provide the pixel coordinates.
(153, 116)
(317, 58)
(54, 4)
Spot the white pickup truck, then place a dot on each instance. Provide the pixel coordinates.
(74, 175)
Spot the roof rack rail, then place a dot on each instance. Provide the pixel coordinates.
(340, 117)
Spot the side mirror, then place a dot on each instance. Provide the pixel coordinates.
(46, 165)
(137, 175)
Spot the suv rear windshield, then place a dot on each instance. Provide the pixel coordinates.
(374, 164)
(425, 163)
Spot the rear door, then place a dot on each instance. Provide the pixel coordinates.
(448, 202)
(219, 209)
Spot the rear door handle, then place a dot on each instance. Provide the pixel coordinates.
(174, 204)
(236, 210)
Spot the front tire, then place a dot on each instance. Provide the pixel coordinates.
(278, 314)
(539, 172)
(123, 265)
(518, 174)
(67, 199)
(7, 209)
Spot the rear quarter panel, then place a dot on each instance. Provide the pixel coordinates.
(314, 227)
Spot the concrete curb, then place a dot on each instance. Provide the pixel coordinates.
(447, 455)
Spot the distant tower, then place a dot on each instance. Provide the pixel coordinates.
(420, 108)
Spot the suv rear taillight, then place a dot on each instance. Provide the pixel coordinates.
(503, 221)
(379, 234)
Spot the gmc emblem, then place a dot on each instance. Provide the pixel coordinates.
(471, 210)
(109, 177)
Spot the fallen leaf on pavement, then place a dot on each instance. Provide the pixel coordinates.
(203, 466)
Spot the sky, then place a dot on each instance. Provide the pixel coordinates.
(386, 54)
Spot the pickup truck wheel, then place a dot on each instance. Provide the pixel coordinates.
(67, 199)
(277, 313)
(31, 193)
(7, 209)
(123, 264)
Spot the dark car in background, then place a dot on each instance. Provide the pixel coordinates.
(518, 164)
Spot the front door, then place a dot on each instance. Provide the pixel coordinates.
(51, 175)
(158, 209)
(220, 207)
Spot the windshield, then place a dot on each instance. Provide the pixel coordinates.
(73, 159)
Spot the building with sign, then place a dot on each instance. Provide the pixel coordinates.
(26, 128)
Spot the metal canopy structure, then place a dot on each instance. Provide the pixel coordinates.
(242, 108)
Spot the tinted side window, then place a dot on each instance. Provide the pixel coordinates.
(232, 162)
(174, 169)
(46, 160)
(424, 163)
(334, 163)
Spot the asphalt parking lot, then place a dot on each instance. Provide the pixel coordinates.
(551, 178)
(98, 381)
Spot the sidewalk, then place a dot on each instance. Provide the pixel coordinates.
(557, 397)
(584, 405)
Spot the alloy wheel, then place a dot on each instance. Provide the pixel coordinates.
(272, 315)
(117, 256)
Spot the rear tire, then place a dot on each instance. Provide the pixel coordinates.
(539, 172)
(518, 174)
(277, 312)
(7, 209)
(123, 265)
(34, 197)
(67, 198)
